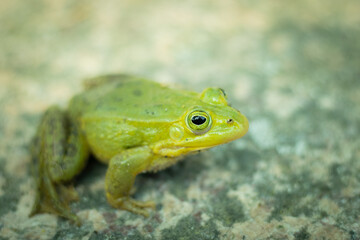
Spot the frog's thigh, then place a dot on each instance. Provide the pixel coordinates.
(61, 153)
(70, 164)
(120, 178)
(60, 147)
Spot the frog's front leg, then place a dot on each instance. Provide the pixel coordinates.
(120, 178)
(60, 151)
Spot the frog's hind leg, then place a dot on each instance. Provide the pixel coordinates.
(61, 153)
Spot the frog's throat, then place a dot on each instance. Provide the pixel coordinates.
(176, 151)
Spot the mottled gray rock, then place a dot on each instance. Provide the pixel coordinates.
(291, 67)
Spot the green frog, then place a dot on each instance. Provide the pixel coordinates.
(132, 124)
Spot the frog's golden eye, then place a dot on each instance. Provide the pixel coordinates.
(198, 121)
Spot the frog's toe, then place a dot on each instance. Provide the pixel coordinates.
(68, 193)
(135, 207)
(144, 204)
(54, 198)
(132, 205)
(54, 206)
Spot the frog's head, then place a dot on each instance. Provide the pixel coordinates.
(209, 123)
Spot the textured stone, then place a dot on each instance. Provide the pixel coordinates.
(291, 67)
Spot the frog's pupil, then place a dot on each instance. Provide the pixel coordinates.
(198, 120)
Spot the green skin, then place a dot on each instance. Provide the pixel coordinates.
(131, 124)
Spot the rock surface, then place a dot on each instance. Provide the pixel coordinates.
(292, 67)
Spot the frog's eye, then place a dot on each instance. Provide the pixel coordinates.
(198, 121)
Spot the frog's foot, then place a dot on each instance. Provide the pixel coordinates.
(132, 205)
(68, 193)
(55, 200)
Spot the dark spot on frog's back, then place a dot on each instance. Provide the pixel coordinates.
(119, 85)
(118, 99)
(148, 112)
(137, 92)
(99, 105)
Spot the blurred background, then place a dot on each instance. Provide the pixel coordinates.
(291, 67)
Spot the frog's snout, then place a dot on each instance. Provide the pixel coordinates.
(242, 125)
(236, 127)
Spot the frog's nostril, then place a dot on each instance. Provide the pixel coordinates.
(230, 120)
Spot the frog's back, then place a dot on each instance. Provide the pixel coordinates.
(132, 98)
